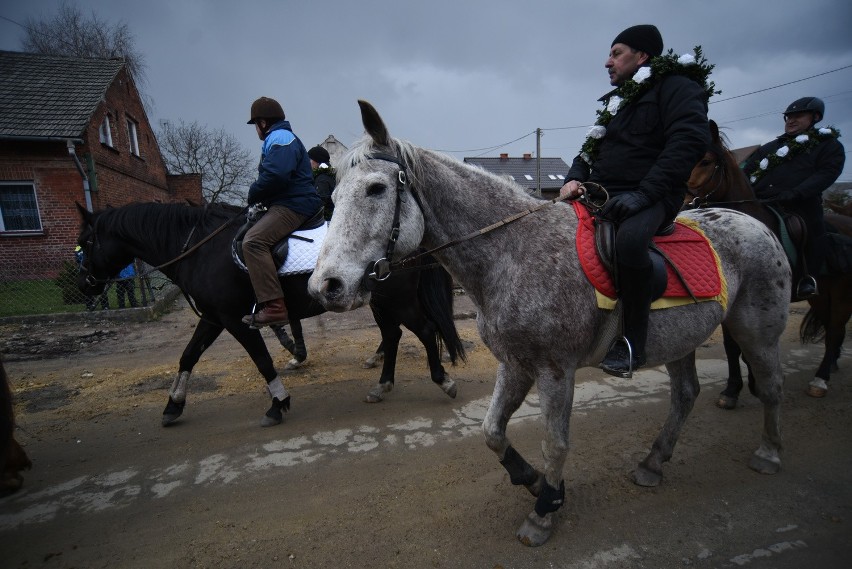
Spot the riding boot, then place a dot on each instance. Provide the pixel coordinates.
(635, 296)
(273, 312)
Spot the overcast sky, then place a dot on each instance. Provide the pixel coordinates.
(467, 77)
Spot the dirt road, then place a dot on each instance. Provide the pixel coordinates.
(405, 483)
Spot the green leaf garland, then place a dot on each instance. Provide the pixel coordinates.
(693, 67)
(796, 145)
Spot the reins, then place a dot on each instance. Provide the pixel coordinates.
(382, 268)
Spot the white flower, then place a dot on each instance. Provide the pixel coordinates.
(686, 59)
(642, 74)
(825, 130)
(612, 104)
(764, 164)
(596, 131)
(586, 158)
(782, 152)
(802, 138)
(753, 179)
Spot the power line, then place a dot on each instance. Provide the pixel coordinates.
(781, 85)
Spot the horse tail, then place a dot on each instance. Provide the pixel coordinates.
(812, 329)
(435, 293)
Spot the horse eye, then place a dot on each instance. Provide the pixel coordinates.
(705, 162)
(376, 189)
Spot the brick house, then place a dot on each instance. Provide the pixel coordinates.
(72, 130)
(522, 171)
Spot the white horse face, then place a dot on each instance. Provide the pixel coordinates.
(365, 200)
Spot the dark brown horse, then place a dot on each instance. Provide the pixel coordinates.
(717, 181)
(13, 458)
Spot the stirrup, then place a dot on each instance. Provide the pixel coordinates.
(628, 374)
(807, 279)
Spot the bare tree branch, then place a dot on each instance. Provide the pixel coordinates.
(69, 33)
(225, 166)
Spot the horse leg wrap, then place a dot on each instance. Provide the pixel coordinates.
(276, 389)
(520, 471)
(550, 499)
(178, 390)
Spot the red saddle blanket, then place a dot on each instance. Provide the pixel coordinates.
(687, 247)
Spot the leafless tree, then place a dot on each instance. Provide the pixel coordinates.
(69, 32)
(224, 164)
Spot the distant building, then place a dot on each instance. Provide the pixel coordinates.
(522, 171)
(336, 149)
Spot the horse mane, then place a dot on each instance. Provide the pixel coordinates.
(732, 176)
(166, 221)
(412, 157)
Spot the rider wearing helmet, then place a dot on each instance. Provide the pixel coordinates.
(285, 187)
(793, 170)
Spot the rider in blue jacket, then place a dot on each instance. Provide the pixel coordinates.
(285, 187)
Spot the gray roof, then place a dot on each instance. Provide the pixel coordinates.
(51, 95)
(522, 170)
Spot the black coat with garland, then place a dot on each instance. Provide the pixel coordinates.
(804, 177)
(652, 144)
(324, 182)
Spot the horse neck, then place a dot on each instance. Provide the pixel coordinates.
(459, 201)
(735, 192)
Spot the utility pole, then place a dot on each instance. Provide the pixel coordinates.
(538, 161)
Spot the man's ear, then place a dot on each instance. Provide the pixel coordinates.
(643, 58)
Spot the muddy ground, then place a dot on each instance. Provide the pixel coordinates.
(405, 483)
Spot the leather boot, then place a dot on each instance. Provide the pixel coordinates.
(635, 292)
(273, 312)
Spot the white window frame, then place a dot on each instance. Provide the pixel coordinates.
(105, 132)
(132, 134)
(31, 186)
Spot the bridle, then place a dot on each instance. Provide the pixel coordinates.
(93, 243)
(699, 201)
(381, 269)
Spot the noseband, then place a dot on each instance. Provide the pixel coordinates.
(698, 200)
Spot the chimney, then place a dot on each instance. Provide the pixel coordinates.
(504, 156)
(527, 156)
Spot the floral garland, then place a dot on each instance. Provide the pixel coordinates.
(800, 144)
(694, 67)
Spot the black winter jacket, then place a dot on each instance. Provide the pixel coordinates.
(804, 176)
(652, 144)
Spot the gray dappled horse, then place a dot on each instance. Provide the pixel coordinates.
(537, 312)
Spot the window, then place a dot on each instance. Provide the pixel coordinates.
(131, 133)
(551, 176)
(105, 132)
(528, 177)
(18, 207)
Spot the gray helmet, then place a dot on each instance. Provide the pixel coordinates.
(811, 104)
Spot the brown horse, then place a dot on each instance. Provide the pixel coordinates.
(13, 458)
(717, 181)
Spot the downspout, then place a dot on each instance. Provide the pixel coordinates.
(83, 174)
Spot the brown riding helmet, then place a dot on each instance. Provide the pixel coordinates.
(266, 108)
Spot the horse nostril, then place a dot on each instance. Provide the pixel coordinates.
(332, 288)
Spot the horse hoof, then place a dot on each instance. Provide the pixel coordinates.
(377, 394)
(275, 414)
(172, 411)
(646, 477)
(817, 388)
(725, 402)
(372, 361)
(764, 465)
(535, 530)
(449, 387)
(293, 364)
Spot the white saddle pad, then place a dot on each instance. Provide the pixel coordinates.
(302, 253)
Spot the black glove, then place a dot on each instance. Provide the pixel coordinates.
(622, 206)
(784, 196)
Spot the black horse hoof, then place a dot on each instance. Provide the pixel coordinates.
(172, 411)
(275, 414)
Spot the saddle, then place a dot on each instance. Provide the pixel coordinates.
(685, 266)
(281, 249)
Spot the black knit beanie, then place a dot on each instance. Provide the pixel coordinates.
(319, 155)
(643, 37)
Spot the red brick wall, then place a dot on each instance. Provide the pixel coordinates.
(122, 178)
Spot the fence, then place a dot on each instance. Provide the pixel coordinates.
(24, 290)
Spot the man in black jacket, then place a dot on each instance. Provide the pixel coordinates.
(642, 157)
(793, 171)
(324, 180)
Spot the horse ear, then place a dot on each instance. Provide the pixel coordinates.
(373, 124)
(84, 213)
(714, 131)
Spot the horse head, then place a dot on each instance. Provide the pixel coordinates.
(717, 176)
(103, 256)
(377, 218)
